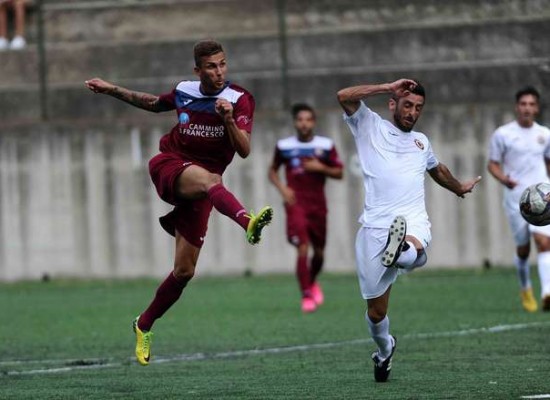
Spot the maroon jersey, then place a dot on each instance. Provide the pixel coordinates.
(201, 135)
(309, 187)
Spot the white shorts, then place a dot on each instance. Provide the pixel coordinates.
(374, 278)
(521, 229)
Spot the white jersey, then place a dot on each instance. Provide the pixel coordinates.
(394, 165)
(521, 152)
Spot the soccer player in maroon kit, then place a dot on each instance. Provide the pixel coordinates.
(309, 159)
(214, 122)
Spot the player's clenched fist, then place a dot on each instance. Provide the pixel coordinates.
(225, 109)
(402, 87)
(97, 85)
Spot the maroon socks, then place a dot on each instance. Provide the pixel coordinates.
(302, 271)
(316, 266)
(228, 205)
(167, 294)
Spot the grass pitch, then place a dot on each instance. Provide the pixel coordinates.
(73, 340)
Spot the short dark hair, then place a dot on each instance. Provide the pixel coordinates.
(418, 90)
(206, 48)
(527, 90)
(299, 107)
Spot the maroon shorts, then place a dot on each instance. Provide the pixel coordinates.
(189, 217)
(306, 225)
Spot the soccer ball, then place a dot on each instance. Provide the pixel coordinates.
(535, 204)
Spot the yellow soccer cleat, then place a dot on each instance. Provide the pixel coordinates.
(143, 344)
(257, 223)
(528, 300)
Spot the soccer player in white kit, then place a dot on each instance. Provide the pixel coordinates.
(395, 227)
(519, 156)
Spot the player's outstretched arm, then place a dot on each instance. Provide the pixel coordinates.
(145, 101)
(443, 177)
(350, 98)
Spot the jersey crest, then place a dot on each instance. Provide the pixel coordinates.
(419, 144)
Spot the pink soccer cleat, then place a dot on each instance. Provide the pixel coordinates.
(308, 305)
(317, 294)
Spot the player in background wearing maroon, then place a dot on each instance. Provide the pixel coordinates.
(309, 159)
(214, 122)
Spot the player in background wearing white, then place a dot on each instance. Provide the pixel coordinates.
(395, 227)
(519, 156)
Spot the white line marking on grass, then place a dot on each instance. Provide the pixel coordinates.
(76, 365)
(537, 396)
(74, 361)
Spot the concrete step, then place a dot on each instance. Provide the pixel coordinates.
(156, 20)
(170, 60)
(130, 20)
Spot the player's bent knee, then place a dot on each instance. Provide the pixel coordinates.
(184, 273)
(303, 249)
(523, 251)
(376, 315)
(211, 180)
(318, 252)
(376, 312)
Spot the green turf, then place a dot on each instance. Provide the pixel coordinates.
(91, 320)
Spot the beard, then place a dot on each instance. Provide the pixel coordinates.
(305, 133)
(398, 123)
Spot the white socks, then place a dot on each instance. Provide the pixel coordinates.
(522, 266)
(380, 333)
(408, 257)
(544, 272)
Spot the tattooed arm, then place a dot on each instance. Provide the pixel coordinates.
(141, 100)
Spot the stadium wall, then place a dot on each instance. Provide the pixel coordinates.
(76, 199)
(75, 196)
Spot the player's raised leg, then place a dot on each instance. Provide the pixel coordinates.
(167, 294)
(543, 246)
(197, 182)
(379, 327)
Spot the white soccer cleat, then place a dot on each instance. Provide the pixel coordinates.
(4, 44)
(396, 238)
(18, 43)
